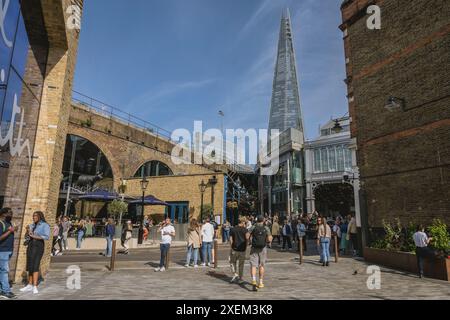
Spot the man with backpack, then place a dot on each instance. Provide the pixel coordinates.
(260, 236)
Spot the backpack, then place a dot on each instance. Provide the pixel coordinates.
(259, 237)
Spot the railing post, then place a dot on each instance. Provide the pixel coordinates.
(215, 254)
(113, 256)
(336, 249)
(167, 262)
(300, 245)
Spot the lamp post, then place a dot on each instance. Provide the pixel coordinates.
(212, 182)
(144, 185)
(202, 187)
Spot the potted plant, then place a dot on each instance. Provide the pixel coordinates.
(117, 208)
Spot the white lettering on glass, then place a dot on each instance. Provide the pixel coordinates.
(17, 148)
(3, 10)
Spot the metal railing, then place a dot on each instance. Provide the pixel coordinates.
(103, 109)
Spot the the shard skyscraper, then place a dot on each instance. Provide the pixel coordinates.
(284, 193)
(285, 111)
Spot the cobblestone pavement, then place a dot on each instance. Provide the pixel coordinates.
(134, 279)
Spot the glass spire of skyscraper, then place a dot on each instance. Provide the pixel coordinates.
(285, 111)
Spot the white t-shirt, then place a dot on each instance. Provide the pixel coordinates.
(166, 238)
(420, 239)
(207, 232)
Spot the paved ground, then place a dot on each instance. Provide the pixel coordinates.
(134, 278)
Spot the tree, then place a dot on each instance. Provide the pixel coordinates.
(117, 208)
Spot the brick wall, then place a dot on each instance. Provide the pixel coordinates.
(52, 125)
(404, 156)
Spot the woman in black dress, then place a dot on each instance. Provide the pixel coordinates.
(37, 233)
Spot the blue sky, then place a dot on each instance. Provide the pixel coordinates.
(171, 62)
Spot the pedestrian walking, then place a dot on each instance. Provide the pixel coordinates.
(294, 224)
(301, 231)
(421, 241)
(36, 234)
(81, 233)
(226, 227)
(66, 226)
(286, 232)
(323, 240)
(7, 230)
(276, 230)
(352, 232)
(343, 243)
(127, 234)
(57, 239)
(207, 234)
(337, 230)
(110, 231)
(167, 232)
(193, 243)
(260, 236)
(238, 236)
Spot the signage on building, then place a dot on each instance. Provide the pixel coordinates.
(16, 144)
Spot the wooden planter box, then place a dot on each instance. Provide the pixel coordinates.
(405, 261)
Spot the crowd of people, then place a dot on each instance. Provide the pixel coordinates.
(258, 233)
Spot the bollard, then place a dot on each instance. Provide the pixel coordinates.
(336, 249)
(215, 254)
(113, 255)
(167, 262)
(300, 247)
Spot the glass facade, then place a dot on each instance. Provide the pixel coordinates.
(335, 158)
(285, 109)
(22, 71)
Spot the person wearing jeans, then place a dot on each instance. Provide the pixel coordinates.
(324, 239)
(6, 249)
(207, 234)
(193, 243)
(167, 232)
(81, 232)
(421, 241)
(110, 231)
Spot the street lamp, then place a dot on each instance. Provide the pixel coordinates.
(337, 126)
(202, 187)
(212, 182)
(144, 185)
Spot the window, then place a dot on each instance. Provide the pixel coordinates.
(340, 158)
(317, 166)
(332, 158)
(348, 159)
(324, 158)
(153, 169)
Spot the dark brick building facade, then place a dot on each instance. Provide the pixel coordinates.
(403, 154)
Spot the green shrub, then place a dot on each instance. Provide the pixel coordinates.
(441, 238)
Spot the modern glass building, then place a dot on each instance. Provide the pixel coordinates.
(284, 193)
(285, 111)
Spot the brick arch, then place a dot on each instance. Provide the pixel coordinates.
(104, 148)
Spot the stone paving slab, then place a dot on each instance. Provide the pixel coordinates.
(284, 280)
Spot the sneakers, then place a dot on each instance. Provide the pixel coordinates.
(254, 283)
(8, 295)
(261, 285)
(235, 277)
(327, 264)
(209, 264)
(160, 269)
(28, 288)
(195, 266)
(186, 265)
(35, 290)
(203, 264)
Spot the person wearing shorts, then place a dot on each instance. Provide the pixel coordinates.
(260, 236)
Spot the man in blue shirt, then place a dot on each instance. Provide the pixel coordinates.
(6, 250)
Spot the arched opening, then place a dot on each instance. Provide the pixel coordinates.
(85, 168)
(334, 199)
(153, 168)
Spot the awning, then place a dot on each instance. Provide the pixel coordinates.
(104, 195)
(150, 201)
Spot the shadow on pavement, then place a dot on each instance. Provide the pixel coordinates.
(224, 277)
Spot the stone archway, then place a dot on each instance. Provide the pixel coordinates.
(332, 199)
